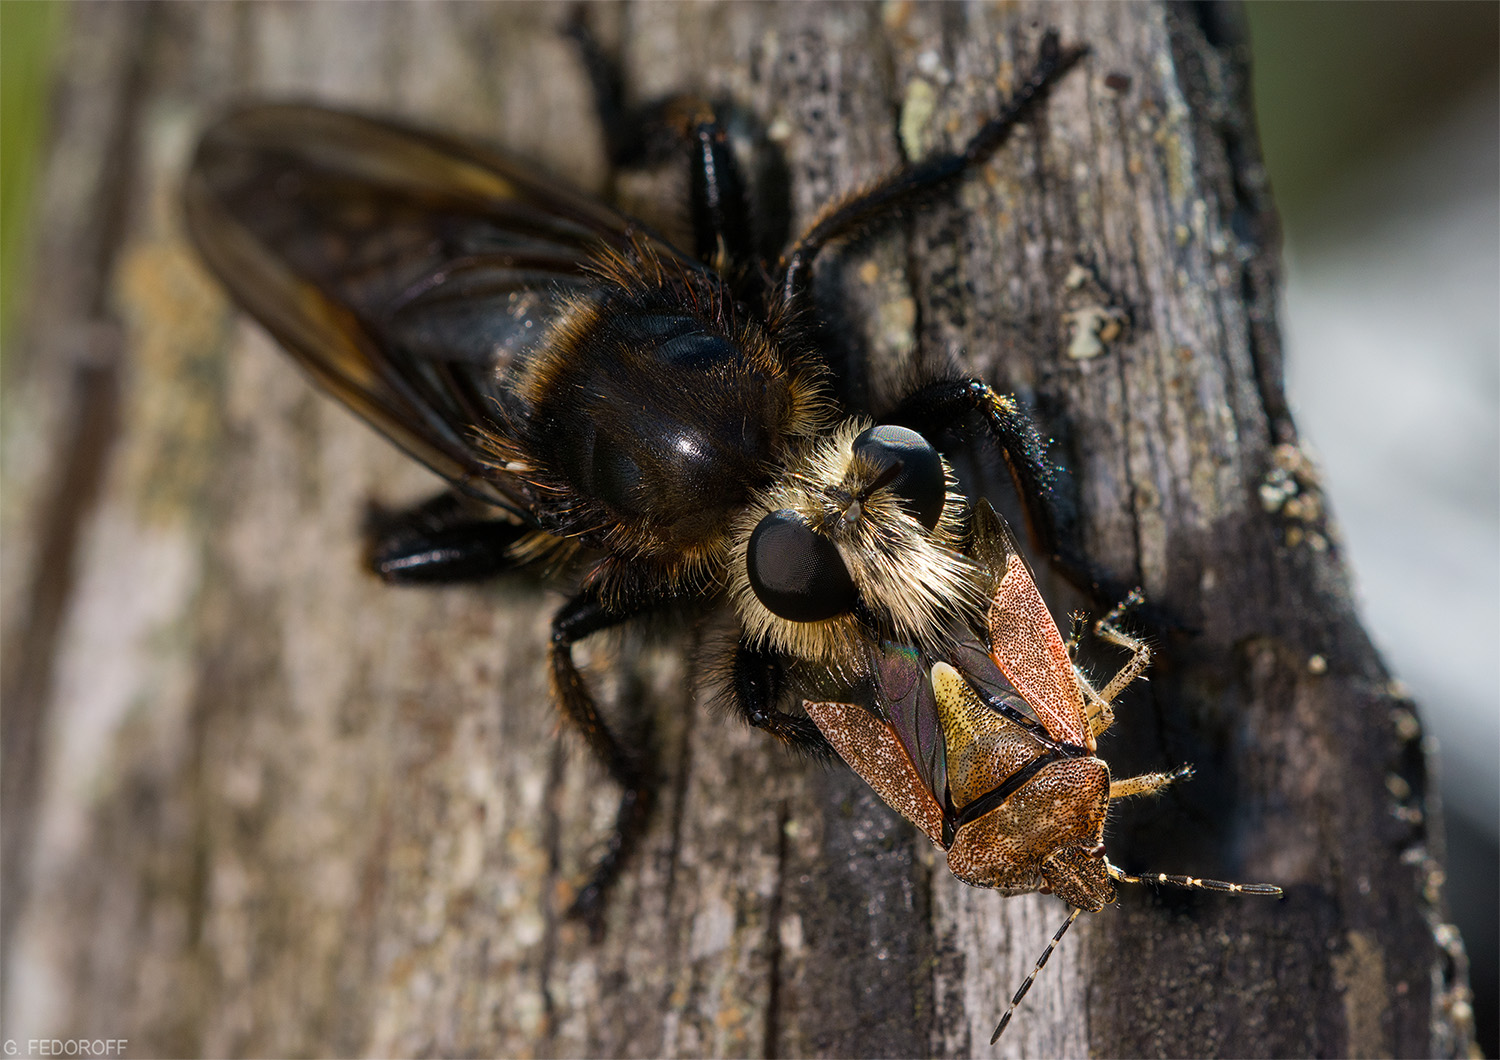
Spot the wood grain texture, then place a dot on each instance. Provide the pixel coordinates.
(258, 804)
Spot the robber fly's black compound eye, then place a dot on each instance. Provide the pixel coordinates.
(920, 483)
(798, 574)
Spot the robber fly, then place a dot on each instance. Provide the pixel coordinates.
(593, 394)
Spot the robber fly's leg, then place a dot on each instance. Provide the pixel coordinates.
(625, 128)
(1049, 520)
(1147, 783)
(721, 214)
(443, 540)
(650, 133)
(756, 679)
(915, 180)
(578, 618)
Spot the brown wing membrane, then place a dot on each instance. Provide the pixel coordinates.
(1024, 640)
(874, 751)
(411, 275)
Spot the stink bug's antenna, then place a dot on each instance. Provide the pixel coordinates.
(1194, 883)
(1040, 961)
(1119, 875)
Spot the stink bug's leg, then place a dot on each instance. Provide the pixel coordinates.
(755, 685)
(1099, 705)
(443, 540)
(1099, 712)
(1130, 671)
(1193, 883)
(1040, 962)
(922, 177)
(1147, 783)
(1077, 623)
(1140, 658)
(1109, 622)
(578, 618)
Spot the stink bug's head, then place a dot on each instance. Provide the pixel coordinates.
(860, 539)
(1079, 875)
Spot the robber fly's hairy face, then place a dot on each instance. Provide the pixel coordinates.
(860, 538)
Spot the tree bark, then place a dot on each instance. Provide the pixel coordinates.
(256, 803)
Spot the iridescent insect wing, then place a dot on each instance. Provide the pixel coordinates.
(905, 694)
(411, 275)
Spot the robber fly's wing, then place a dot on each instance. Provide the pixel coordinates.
(413, 276)
(1025, 644)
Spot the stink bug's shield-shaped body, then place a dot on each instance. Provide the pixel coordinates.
(992, 751)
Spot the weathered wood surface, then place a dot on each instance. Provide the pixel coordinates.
(256, 803)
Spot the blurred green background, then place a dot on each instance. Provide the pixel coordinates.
(28, 32)
(1379, 127)
(1339, 87)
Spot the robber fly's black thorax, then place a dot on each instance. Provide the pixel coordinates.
(656, 413)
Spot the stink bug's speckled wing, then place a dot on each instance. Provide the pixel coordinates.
(412, 275)
(897, 745)
(1024, 640)
(902, 758)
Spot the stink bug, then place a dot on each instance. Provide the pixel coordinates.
(992, 753)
